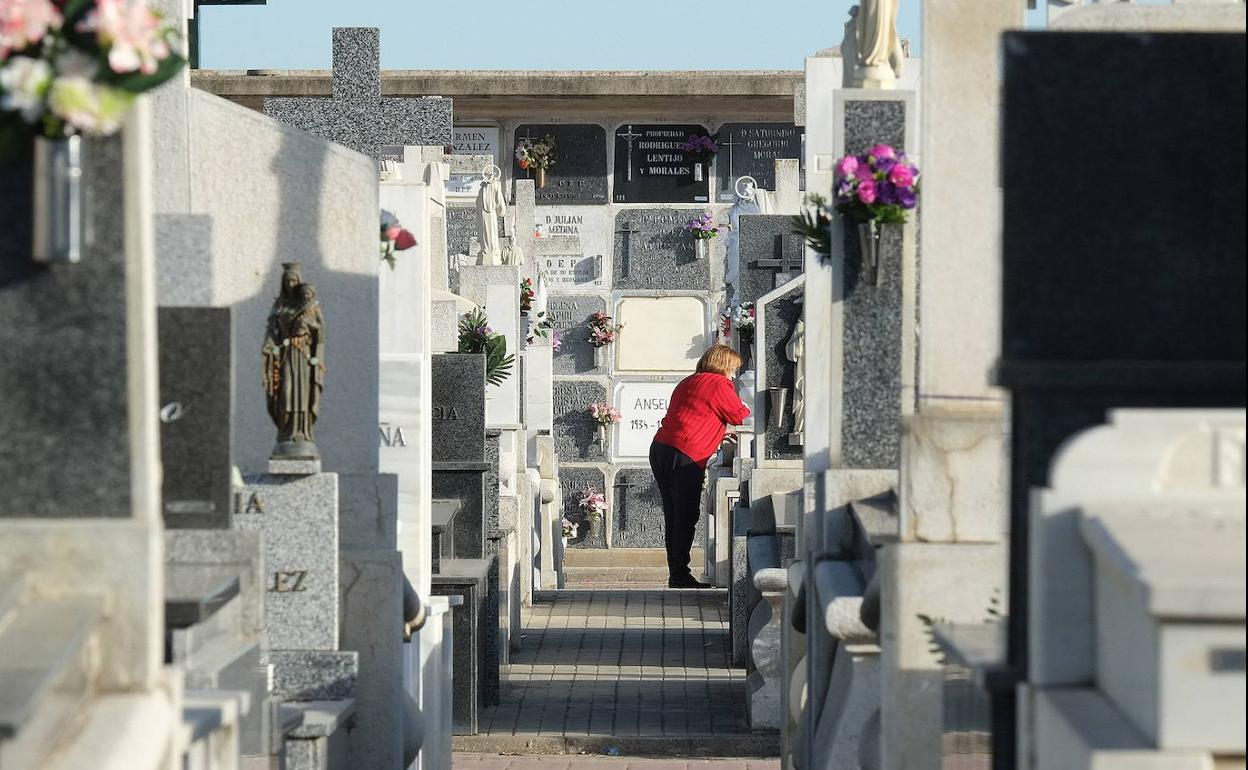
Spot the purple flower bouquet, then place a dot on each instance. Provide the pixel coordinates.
(880, 186)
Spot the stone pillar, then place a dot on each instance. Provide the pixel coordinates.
(952, 495)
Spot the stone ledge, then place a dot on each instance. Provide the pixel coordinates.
(763, 744)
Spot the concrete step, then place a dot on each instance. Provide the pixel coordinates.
(623, 557)
(752, 745)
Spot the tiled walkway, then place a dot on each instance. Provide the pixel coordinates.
(646, 668)
(495, 762)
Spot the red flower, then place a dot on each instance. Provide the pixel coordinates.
(405, 240)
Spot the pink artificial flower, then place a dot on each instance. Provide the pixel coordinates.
(846, 166)
(866, 192)
(864, 173)
(133, 32)
(392, 232)
(23, 22)
(901, 175)
(882, 151)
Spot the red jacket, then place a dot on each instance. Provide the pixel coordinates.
(701, 405)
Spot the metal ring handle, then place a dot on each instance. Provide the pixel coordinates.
(491, 173)
(753, 186)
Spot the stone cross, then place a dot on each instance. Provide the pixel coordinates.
(627, 231)
(622, 486)
(789, 256)
(358, 116)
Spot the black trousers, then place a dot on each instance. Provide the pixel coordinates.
(680, 481)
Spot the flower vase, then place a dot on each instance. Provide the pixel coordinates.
(60, 208)
(699, 172)
(565, 544)
(869, 246)
(701, 247)
(602, 438)
(600, 356)
(539, 178)
(777, 399)
(595, 527)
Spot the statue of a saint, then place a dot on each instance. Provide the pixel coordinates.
(293, 357)
(877, 46)
(490, 206)
(795, 351)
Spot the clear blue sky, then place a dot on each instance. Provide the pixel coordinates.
(547, 35)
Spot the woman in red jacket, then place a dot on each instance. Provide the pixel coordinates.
(702, 406)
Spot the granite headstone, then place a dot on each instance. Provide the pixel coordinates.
(575, 432)
(780, 313)
(751, 149)
(654, 251)
(570, 315)
(771, 254)
(579, 176)
(196, 415)
(458, 422)
(651, 167)
(573, 483)
(461, 228)
(637, 510)
(357, 116)
(63, 383)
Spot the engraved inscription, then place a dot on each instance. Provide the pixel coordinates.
(391, 435)
(253, 503)
(445, 413)
(289, 581)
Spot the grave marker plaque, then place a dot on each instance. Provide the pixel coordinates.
(751, 149)
(780, 316)
(575, 432)
(771, 254)
(565, 264)
(471, 140)
(654, 251)
(650, 167)
(570, 315)
(579, 176)
(573, 482)
(458, 419)
(637, 511)
(461, 228)
(196, 415)
(642, 405)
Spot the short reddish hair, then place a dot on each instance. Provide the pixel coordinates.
(720, 359)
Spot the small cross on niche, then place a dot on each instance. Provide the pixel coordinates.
(788, 256)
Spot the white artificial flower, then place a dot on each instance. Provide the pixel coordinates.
(87, 107)
(23, 83)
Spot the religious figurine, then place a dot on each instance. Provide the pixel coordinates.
(293, 358)
(490, 206)
(795, 351)
(876, 45)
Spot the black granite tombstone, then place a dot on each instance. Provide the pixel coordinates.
(637, 511)
(1122, 255)
(651, 167)
(779, 319)
(579, 176)
(196, 415)
(752, 149)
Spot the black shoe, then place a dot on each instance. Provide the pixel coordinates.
(687, 581)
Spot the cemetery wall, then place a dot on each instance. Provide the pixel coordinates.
(305, 200)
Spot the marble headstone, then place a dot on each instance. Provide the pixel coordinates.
(654, 251)
(196, 415)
